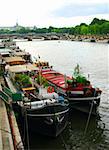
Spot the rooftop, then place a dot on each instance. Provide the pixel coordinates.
(13, 59)
(22, 68)
(21, 53)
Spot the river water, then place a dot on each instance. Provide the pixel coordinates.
(94, 60)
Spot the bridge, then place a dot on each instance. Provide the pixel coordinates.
(30, 36)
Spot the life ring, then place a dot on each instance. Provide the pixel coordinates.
(50, 89)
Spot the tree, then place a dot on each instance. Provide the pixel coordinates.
(71, 30)
(77, 30)
(97, 21)
(95, 29)
(84, 30)
(83, 24)
(50, 29)
(97, 26)
(105, 28)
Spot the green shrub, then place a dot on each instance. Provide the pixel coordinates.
(81, 79)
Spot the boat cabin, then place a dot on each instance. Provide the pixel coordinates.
(22, 69)
(42, 64)
(5, 52)
(13, 60)
(24, 55)
(30, 93)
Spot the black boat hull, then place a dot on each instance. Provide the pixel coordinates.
(47, 126)
(50, 121)
(85, 107)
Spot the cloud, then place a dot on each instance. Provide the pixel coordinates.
(44, 13)
(84, 9)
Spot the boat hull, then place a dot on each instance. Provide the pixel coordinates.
(49, 121)
(85, 107)
(77, 98)
(84, 101)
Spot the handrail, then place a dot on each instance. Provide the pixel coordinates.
(5, 98)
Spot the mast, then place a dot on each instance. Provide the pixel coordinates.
(65, 78)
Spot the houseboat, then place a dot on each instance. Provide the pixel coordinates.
(77, 89)
(44, 112)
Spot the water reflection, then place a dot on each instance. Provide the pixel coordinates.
(73, 137)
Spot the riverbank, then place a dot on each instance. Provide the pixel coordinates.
(9, 132)
(90, 38)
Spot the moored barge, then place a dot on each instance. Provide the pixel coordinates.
(44, 113)
(78, 90)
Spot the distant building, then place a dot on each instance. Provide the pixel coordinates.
(14, 28)
(17, 27)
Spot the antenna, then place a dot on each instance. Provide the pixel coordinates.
(65, 78)
(17, 22)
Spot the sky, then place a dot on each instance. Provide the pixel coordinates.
(56, 13)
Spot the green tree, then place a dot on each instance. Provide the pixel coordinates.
(77, 30)
(84, 30)
(98, 21)
(94, 29)
(105, 28)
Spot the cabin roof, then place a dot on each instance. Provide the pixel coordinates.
(5, 50)
(4, 53)
(14, 59)
(22, 68)
(21, 53)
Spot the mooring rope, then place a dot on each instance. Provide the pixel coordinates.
(88, 117)
(26, 123)
(65, 145)
(89, 114)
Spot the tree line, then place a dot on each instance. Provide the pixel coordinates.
(96, 27)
